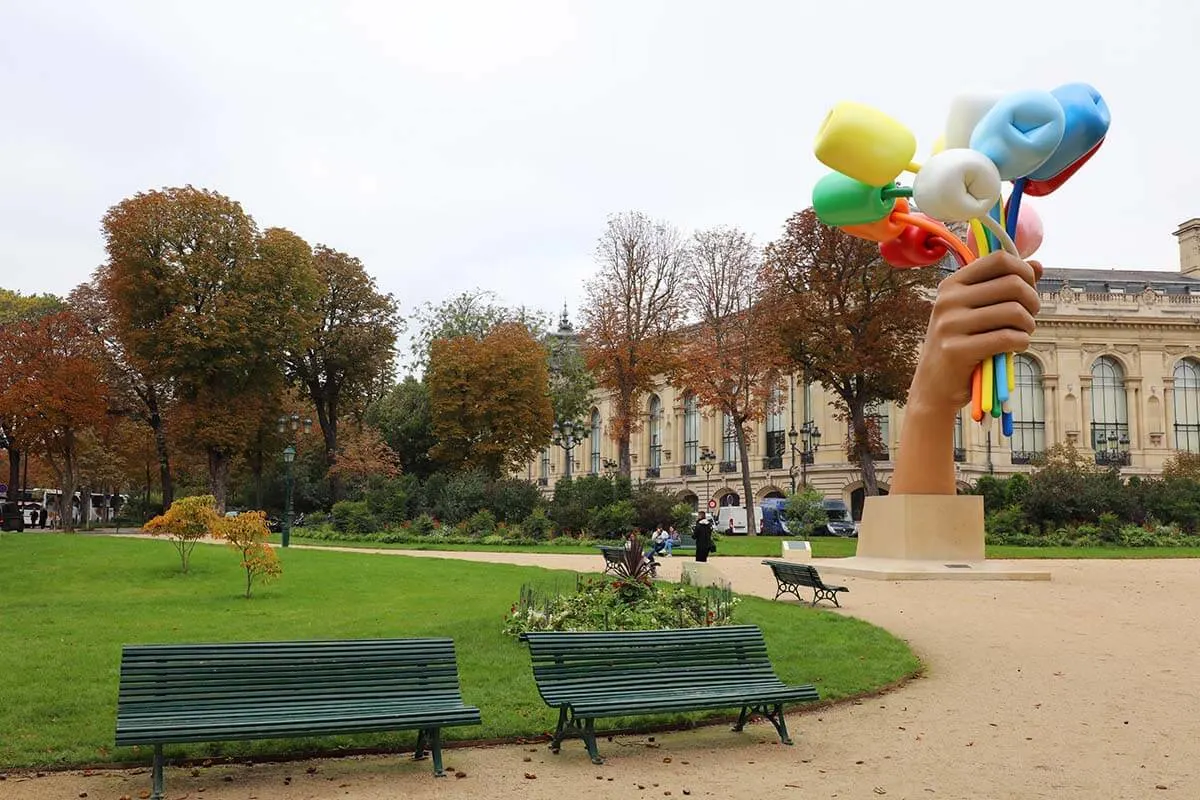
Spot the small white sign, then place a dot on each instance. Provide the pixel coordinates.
(797, 551)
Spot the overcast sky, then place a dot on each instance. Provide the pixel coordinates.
(453, 145)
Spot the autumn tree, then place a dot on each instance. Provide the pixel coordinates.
(489, 399)
(247, 533)
(364, 455)
(185, 523)
(634, 304)
(471, 313)
(351, 346)
(200, 298)
(848, 321)
(731, 358)
(14, 308)
(51, 391)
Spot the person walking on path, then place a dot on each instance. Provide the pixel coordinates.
(703, 534)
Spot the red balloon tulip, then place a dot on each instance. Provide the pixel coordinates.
(1043, 188)
(914, 247)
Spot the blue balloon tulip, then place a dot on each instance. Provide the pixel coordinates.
(1087, 121)
(1020, 133)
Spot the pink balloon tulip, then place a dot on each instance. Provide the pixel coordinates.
(1029, 232)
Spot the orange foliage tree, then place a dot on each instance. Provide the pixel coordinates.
(186, 522)
(51, 390)
(364, 455)
(247, 533)
(201, 299)
(633, 305)
(489, 399)
(848, 321)
(731, 358)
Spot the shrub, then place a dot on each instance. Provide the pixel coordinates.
(603, 604)
(247, 533)
(464, 494)
(353, 516)
(804, 512)
(424, 525)
(387, 501)
(1004, 524)
(612, 521)
(482, 523)
(186, 522)
(537, 525)
(512, 499)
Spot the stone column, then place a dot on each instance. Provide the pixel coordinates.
(1169, 413)
(1085, 411)
(1133, 408)
(1050, 405)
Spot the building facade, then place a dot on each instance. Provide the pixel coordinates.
(1113, 368)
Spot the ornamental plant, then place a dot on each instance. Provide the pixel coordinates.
(247, 533)
(186, 522)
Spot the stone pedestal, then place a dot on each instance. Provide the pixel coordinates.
(702, 574)
(797, 551)
(926, 537)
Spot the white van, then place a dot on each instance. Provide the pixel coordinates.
(723, 514)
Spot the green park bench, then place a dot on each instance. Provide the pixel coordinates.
(790, 577)
(613, 555)
(267, 690)
(626, 673)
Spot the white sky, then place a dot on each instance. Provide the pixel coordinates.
(454, 144)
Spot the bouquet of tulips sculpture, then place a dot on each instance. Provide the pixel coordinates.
(1035, 139)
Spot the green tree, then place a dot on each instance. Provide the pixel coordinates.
(404, 417)
(350, 348)
(804, 512)
(201, 298)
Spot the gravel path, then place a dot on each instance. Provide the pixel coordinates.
(1082, 687)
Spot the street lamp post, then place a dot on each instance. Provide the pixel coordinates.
(708, 460)
(566, 435)
(290, 426)
(810, 439)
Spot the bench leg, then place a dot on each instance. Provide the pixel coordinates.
(422, 738)
(589, 740)
(775, 715)
(741, 723)
(560, 732)
(156, 792)
(435, 745)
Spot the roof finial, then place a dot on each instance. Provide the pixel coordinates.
(564, 324)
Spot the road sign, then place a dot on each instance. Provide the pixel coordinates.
(712, 503)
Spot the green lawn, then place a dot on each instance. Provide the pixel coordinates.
(70, 602)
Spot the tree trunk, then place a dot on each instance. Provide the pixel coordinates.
(67, 484)
(14, 473)
(862, 443)
(748, 491)
(218, 476)
(160, 447)
(327, 411)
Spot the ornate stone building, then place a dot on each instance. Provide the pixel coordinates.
(1114, 368)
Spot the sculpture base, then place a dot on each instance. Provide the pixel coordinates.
(797, 551)
(926, 537)
(701, 573)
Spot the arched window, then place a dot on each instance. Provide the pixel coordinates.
(595, 443)
(691, 432)
(1029, 411)
(776, 435)
(1110, 416)
(729, 448)
(655, 431)
(1187, 406)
